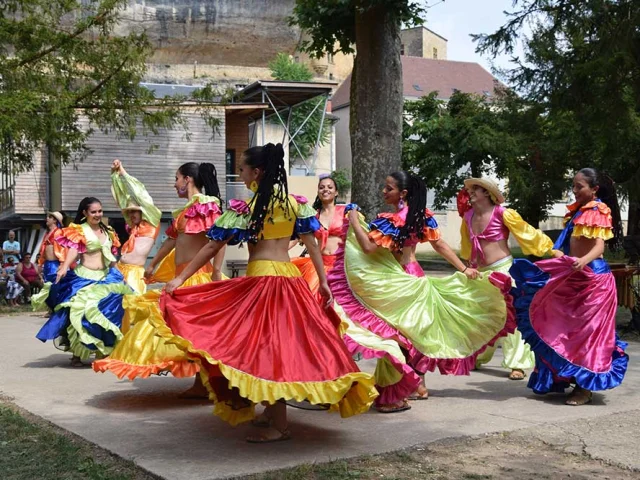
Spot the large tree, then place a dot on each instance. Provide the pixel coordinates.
(371, 29)
(60, 60)
(582, 64)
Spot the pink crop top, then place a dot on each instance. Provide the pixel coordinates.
(335, 227)
(495, 231)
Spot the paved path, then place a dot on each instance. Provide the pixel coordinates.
(180, 439)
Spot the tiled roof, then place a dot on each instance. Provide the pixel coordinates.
(421, 76)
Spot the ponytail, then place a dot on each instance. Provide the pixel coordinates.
(204, 175)
(416, 200)
(607, 194)
(273, 187)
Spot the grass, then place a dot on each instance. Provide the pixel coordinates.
(31, 448)
(19, 310)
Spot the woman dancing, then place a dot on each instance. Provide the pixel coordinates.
(142, 351)
(51, 252)
(86, 301)
(566, 306)
(485, 230)
(438, 322)
(259, 338)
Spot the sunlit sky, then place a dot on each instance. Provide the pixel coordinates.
(456, 19)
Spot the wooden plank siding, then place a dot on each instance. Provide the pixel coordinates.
(155, 169)
(31, 187)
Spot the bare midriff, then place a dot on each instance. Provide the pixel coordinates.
(140, 252)
(332, 245)
(407, 256)
(275, 250)
(188, 245)
(493, 252)
(93, 260)
(580, 246)
(49, 253)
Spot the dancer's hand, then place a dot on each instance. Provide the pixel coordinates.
(354, 217)
(148, 272)
(216, 275)
(579, 264)
(557, 253)
(172, 285)
(62, 271)
(115, 166)
(472, 273)
(326, 294)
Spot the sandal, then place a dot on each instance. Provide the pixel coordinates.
(421, 394)
(517, 374)
(265, 437)
(393, 408)
(76, 362)
(261, 421)
(579, 396)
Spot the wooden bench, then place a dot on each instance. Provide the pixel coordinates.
(235, 266)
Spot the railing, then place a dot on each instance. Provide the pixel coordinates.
(7, 196)
(236, 189)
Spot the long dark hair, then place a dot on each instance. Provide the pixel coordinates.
(416, 200)
(317, 204)
(204, 177)
(272, 188)
(607, 193)
(84, 205)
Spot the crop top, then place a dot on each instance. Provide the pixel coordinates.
(197, 216)
(592, 220)
(234, 223)
(49, 239)
(385, 229)
(503, 222)
(84, 240)
(335, 227)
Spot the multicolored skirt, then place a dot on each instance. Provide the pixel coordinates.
(143, 352)
(440, 323)
(568, 319)
(262, 338)
(87, 309)
(50, 270)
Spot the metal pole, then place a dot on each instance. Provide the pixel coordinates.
(287, 130)
(263, 119)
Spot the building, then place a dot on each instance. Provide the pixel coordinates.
(423, 43)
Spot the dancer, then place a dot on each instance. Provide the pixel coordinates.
(264, 338)
(438, 322)
(51, 252)
(566, 306)
(489, 251)
(142, 352)
(86, 301)
(143, 225)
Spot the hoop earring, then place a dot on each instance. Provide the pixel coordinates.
(253, 186)
(401, 204)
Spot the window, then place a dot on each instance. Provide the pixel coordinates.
(402, 49)
(331, 76)
(435, 53)
(230, 162)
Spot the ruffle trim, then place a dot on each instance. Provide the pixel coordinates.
(306, 225)
(549, 364)
(72, 237)
(352, 393)
(123, 369)
(198, 199)
(594, 214)
(391, 394)
(605, 233)
(385, 229)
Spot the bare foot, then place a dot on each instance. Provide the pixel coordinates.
(517, 374)
(421, 394)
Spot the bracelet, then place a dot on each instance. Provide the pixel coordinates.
(465, 269)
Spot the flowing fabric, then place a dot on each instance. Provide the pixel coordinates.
(442, 323)
(50, 270)
(516, 354)
(568, 319)
(133, 275)
(87, 309)
(143, 352)
(280, 343)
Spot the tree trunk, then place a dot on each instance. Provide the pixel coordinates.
(376, 106)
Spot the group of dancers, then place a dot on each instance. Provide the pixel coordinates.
(290, 330)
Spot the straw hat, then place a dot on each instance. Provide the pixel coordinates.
(131, 205)
(57, 215)
(488, 185)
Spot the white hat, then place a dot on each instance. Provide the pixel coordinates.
(488, 185)
(57, 215)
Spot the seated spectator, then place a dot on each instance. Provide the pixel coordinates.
(4, 279)
(13, 289)
(28, 276)
(11, 248)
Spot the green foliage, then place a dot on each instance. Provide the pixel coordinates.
(284, 68)
(342, 178)
(61, 60)
(331, 24)
(470, 135)
(581, 65)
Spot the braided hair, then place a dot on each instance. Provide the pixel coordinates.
(84, 205)
(204, 175)
(416, 200)
(607, 193)
(272, 188)
(317, 203)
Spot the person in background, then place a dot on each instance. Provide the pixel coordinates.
(11, 248)
(28, 276)
(14, 289)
